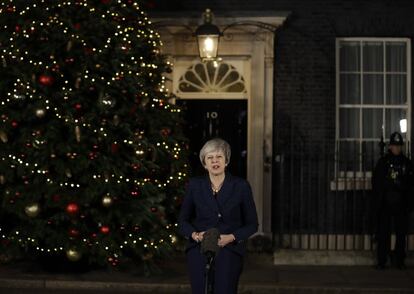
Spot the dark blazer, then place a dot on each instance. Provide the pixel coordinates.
(234, 211)
(382, 183)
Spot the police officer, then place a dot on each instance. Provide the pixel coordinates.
(392, 180)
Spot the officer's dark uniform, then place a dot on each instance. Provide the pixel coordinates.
(392, 180)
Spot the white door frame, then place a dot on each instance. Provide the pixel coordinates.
(256, 47)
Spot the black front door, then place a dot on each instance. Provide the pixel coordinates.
(207, 119)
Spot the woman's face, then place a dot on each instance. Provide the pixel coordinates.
(215, 162)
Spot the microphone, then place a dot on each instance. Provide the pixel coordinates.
(209, 246)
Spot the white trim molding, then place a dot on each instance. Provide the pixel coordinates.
(250, 49)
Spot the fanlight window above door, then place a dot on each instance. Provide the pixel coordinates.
(209, 77)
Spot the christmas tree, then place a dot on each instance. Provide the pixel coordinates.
(92, 164)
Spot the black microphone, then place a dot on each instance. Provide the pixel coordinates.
(209, 244)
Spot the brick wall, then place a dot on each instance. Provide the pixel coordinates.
(305, 102)
(305, 56)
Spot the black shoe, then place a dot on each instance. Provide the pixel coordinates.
(401, 266)
(380, 267)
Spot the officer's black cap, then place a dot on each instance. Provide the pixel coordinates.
(396, 139)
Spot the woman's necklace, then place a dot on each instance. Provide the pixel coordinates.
(216, 189)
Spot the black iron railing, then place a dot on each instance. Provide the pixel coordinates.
(324, 200)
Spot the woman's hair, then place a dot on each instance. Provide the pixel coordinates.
(213, 145)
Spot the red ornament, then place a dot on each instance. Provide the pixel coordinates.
(92, 155)
(77, 26)
(126, 47)
(17, 28)
(154, 209)
(73, 233)
(56, 68)
(14, 124)
(165, 132)
(150, 4)
(5, 242)
(88, 51)
(135, 193)
(136, 166)
(78, 106)
(46, 80)
(114, 147)
(69, 60)
(104, 229)
(72, 208)
(133, 109)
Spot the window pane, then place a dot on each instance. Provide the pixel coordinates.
(372, 123)
(348, 158)
(350, 89)
(392, 120)
(349, 123)
(396, 53)
(396, 89)
(370, 155)
(349, 56)
(373, 89)
(373, 56)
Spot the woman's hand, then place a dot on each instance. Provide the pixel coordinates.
(226, 239)
(197, 236)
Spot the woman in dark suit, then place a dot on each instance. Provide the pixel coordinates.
(217, 200)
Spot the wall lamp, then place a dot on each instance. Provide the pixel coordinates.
(208, 34)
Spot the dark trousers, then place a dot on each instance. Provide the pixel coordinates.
(227, 269)
(387, 221)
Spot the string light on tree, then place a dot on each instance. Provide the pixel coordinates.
(72, 130)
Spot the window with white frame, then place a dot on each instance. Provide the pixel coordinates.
(373, 98)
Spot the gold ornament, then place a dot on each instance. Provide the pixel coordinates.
(69, 45)
(40, 113)
(78, 134)
(73, 254)
(107, 200)
(116, 120)
(2, 179)
(68, 173)
(3, 137)
(147, 256)
(32, 210)
(77, 82)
